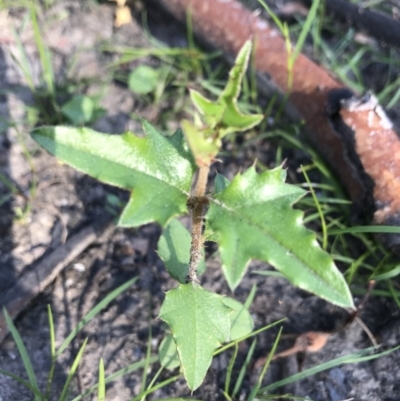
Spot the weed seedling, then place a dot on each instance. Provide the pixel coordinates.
(250, 217)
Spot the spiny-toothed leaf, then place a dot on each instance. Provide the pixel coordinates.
(225, 113)
(254, 220)
(232, 88)
(157, 169)
(174, 249)
(220, 117)
(199, 321)
(235, 121)
(211, 111)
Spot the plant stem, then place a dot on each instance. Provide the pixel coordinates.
(197, 203)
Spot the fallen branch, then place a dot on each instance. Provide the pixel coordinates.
(31, 284)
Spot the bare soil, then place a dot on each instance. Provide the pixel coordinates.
(67, 200)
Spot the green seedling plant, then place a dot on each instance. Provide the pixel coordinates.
(250, 217)
(292, 54)
(50, 107)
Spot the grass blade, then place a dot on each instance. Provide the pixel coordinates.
(116, 375)
(44, 55)
(151, 390)
(147, 363)
(253, 334)
(359, 356)
(304, 30)
(52, 351)
(71, 373)
(23, 352)
(366, 229)
(319, 210)
(250, 297)
(243, 369)
(110, 297)
(23, 61)
(229, 372)
(23, 382)
(257, 386)
(101, 391)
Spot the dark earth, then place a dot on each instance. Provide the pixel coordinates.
(66, 201)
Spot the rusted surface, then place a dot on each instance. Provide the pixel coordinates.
(32, 283)
(226, 24)
(378, 148)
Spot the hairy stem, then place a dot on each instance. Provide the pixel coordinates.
(197, 203)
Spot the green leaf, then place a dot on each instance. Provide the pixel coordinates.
(157, 169)
(204, 147)
(220, 117)
(143, 80)
(211, 111)
(79, 109)
(101, 391)
(23, 353)
(220, 183)
(241, 320)
(254, 220)
(168, 353)
(224, 115)
(200, 323)
(72, 371)
(174, 249)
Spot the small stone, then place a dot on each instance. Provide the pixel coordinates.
(79, 267)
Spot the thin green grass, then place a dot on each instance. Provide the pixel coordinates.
(33, 384)
(89, 316)
(24, 354)
(38, 395)
(257, 386)
(52, 352)
(243, 369)
(72, 371)
(101, 391)
(229, 373)
(356, 357)
(320, 213)
(116, 375)
(44, 54)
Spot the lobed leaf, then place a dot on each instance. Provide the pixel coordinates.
(157, 169)
(253, 219)
(200, 323)
(220, 117)
(224, 115)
